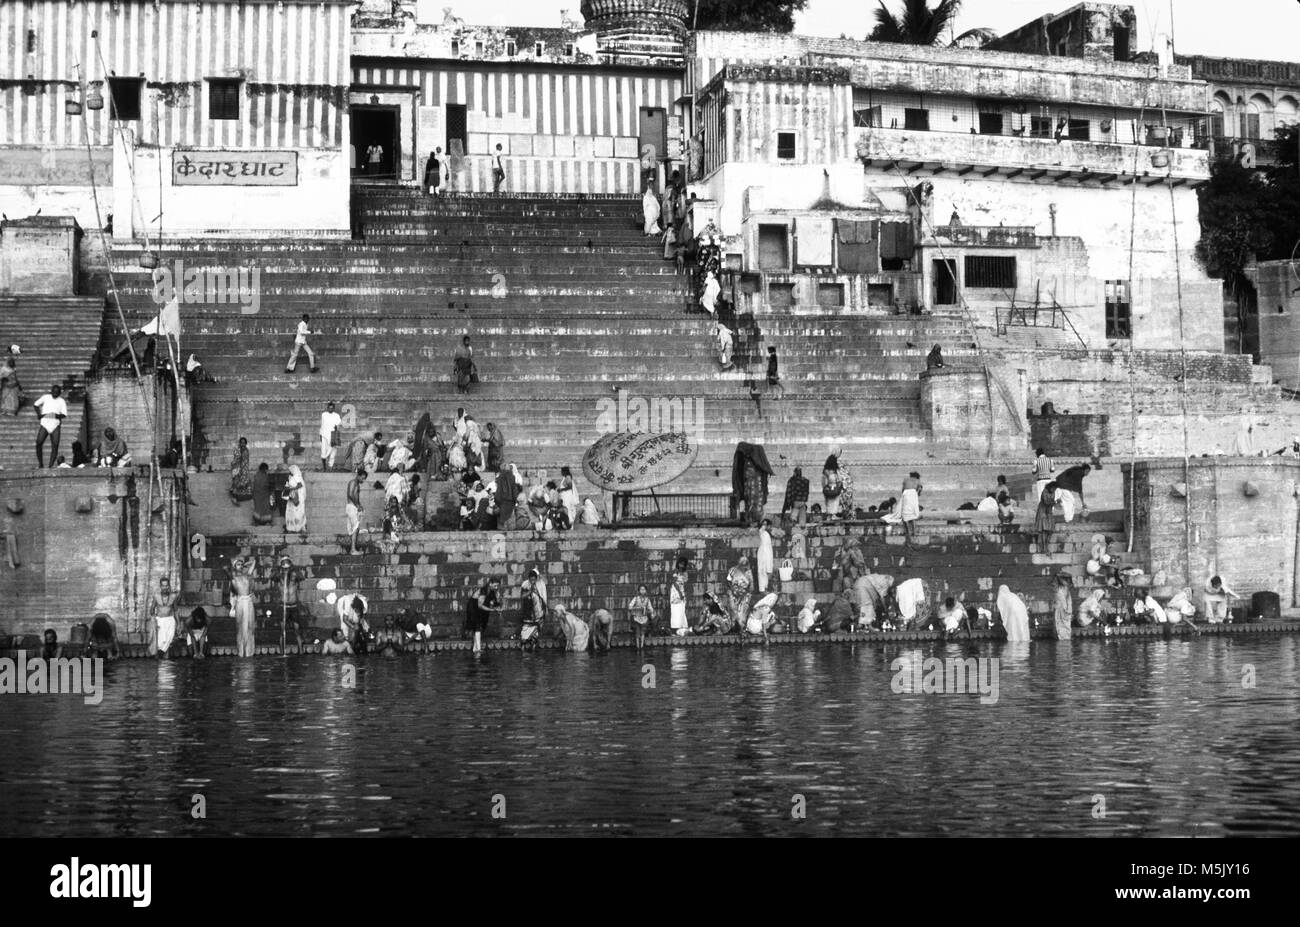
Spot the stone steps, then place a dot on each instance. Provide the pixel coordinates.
(592, 568)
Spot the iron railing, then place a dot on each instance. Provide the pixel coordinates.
(635, 510)
(1032, 316)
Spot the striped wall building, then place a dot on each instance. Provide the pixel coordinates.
(582, 108)
(575, 129)
(201, 98)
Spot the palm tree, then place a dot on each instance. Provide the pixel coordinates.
(919, 24)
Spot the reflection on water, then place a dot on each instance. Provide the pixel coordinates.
(722, 743)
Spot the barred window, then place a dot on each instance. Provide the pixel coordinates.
(223, 98)
(1119, 317)
(990, 272)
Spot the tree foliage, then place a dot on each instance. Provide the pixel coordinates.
(1247, 214)
(919, 24)
(748, 15)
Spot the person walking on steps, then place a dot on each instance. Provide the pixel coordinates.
(300, 344)
(498, 171)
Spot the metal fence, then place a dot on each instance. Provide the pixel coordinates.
(695, 507)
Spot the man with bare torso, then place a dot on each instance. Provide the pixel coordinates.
(164, 616)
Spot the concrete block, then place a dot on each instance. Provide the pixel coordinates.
(478, 143)
(625, 146)
(544, 146)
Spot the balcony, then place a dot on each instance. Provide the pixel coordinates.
(922, 154)
(1229, 148)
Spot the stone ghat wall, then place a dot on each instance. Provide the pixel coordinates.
(1237, 517)
(588, 569)
(77, 542)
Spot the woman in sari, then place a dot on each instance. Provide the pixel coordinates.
(832, 485)
(241, 482)
(739, 582)
(569, 496)
(909, 506)
(650, 210)
(725, 344)
(10, 388)
(295, 503)
(508, 485)
(496, 447)
(1045, 518)
(474, 444)
(1090, 609)
(1014, 615)
(263, 508)
(1061, 611)
(677, 604)
(463, 363)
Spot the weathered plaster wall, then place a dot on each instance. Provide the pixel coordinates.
(1248, 540)
(82, 542)
(1277, 284)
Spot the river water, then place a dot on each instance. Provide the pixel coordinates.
(1091, 737)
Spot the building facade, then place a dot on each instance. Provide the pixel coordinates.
(1056, 183)
(159, 109)
(575, 109)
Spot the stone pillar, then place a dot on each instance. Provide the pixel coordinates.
(39, 256)
(1238, 513)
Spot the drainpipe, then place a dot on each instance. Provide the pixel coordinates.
(1051, 209)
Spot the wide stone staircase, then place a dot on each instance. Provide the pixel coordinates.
(58, 337)
(567, 302)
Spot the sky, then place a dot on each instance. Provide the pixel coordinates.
(1224, 28)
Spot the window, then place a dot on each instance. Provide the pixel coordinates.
(1118, 310)
(1080, 130)
(867, 117)
(478, 49)
(830, 295)
(223, 98)
(785, 146)
(780, 295)
(990, 123)
(124, 97)
(568, 51)
(455, 48)
(539, 49)
(1121, 43)
(880, 295)
(1249, 125)
(990, 272)
(1040, 126)
(916, 119)
(511, 48)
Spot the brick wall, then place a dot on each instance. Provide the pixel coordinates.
(1249, 540)
(83, 547)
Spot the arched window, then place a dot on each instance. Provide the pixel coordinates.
(1287, 112)
(1220, 110)
(1257, 118)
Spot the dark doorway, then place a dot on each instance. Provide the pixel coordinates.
(945, 283)
(457, 130)
(773, 248)
(376, 142)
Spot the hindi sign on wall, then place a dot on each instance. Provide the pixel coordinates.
(212, 168)
(633, 461)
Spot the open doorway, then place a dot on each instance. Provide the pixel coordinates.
(945, 283)
(375, 142)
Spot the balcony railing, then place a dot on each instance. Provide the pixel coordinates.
(1227, 147)
(923, 152)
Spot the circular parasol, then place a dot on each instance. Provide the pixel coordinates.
(632, 461)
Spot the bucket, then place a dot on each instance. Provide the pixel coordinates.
(80, 635)
(786, 571)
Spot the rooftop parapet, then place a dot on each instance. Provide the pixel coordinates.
(963, 71)
(1035, 159)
